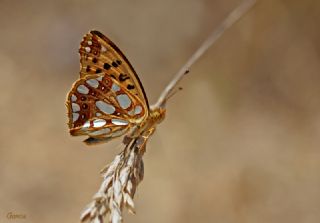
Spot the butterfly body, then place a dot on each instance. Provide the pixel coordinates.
(108, 100)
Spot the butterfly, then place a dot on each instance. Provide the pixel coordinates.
(108, 100)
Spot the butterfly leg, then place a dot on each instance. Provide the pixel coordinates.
(141, 142)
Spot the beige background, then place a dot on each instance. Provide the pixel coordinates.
(240, 143)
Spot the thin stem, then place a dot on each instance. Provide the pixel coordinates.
(234, 16)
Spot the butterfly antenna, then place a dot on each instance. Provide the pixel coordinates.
(174, 92)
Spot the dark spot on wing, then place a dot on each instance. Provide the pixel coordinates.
(130, 87)
(106, 66)
(123, 77)
(114, 64)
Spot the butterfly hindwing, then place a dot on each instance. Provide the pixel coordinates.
(100, 107)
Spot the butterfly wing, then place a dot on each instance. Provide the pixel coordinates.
(99, 54)
(108, 99)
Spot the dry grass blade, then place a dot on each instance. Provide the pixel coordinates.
(120, 180)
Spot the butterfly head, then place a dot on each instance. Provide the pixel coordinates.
(157, 114)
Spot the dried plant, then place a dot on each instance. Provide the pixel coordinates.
(122, 176)
(120, 180)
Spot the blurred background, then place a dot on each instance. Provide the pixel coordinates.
(240, 143)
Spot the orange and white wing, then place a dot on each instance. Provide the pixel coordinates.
(99, 54)
(108, 99)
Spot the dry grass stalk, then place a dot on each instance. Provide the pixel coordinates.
(122, 176)
(120, 180)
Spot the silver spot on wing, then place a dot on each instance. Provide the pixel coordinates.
(119, 122)
(93, 83)
(124, 101)
(75, 117)
(87, 49)
(99, 123)
(105, 107)
(115, 87)
(85, 126)
(82, 89)
(137, 110)
(75, 107)
(73, 97)
(99, 78)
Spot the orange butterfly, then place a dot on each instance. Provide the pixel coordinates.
(108, 100)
